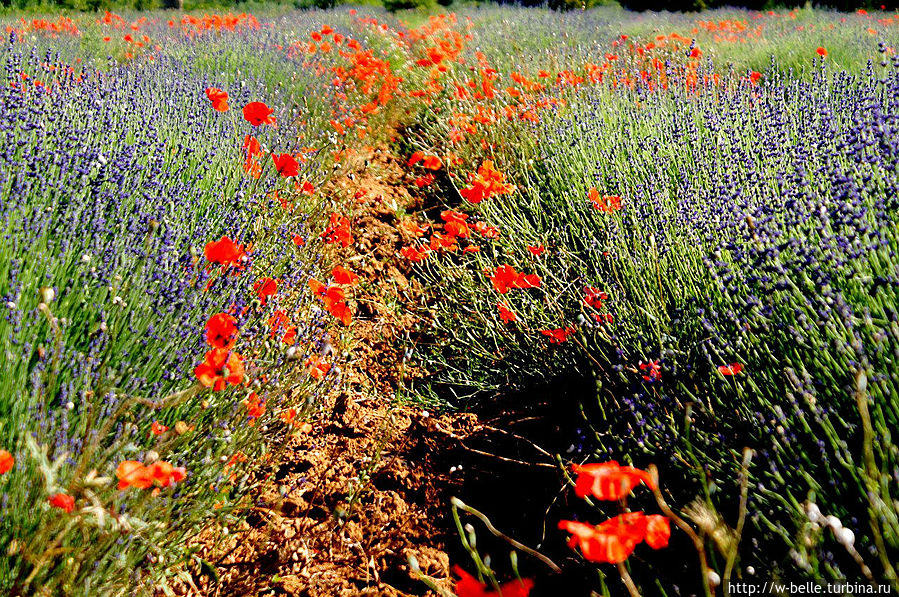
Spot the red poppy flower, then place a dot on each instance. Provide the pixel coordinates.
(317, 367)
(424, 181)
(732, 369)
(610, 542)
(157, 428)
(221, 331)
(414, 254)
(432, 162)
(608, 480)
(822, 52)
(164, 474)
(62, 501)
(224, 251)
(338, 231)
(486, 183)
(252, 148)
(333, 296)
(594, 297)
(6, 462)
(132, 473)
(468, 586)
(415, 158)
(342, 311)
(255, 408)
(558, 336)
(286, 165)
(507, 315)
(456, 229)
(450, 215)
(605, 203)
(658, 531)
(505, 278)
(486, 231)
(257, 113)
(264, 288)
(537, 251)
(278, 320)
(219, 369)
(218, 98)
(344, 276)
(654, 371)
(317, 287)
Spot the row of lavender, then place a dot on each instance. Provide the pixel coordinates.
(719, 256)
(114, 179)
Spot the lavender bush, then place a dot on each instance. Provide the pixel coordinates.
(113, 178)
(751, 289)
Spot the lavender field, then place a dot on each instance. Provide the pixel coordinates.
(554, 284)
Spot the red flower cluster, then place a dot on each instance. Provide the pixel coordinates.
(558, 335)
(732, 369)
(221, 331)
(430, 162)
(132, 473)
(344, 276)
(468, 586)
(486, 183)
(594, 297)
(615, 539)
(338, 231)
(279, 322)
(334, 298)
(605, 203)
(415, 254)
(255, 408)
(221, 366)
(505, 278)
(506, 314)
(653, 371)
(455, 225)
(317, 367)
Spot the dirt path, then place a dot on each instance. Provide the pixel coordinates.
(368, 486)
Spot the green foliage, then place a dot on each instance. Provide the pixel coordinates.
(397, 5)
(668, 302)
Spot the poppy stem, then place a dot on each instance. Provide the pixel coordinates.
(627, 580)
(685, 527)
(457, 503)
(741, 520)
